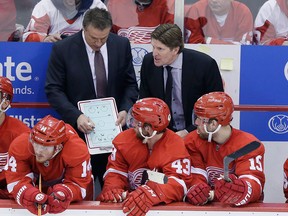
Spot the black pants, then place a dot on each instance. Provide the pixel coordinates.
(99, 163)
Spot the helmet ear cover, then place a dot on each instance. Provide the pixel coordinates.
(49, 131)
(215, 106)
(153, 112)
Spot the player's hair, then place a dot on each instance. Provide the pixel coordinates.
(169, 35)
(99, 18)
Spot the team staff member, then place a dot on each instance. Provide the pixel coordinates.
(210, 143)
(193, 74)
(71, 75)
(7, 131)
(149, 145)
(55, 153)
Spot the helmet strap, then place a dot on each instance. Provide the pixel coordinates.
(146, 138)
(58, 148)
(211, 133)
(3, 101)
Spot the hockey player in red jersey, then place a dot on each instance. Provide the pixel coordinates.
(219, 22)
(210, 143)
(10, 128)
(148, 146)
(53, 154)
(53, 20)
(137, 19)
(285, 182)
(271, 23)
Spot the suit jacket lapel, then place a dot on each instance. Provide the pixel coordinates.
(83, 59)
(111, 62)
(186, 80)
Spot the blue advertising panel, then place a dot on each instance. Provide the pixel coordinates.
(266, 126)
(30, 116)
(264, 78)
(264, 81)
(25, 65)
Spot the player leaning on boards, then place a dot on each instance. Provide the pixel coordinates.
(148, 146)
(10, 128)
(214, 139)
(56, 157)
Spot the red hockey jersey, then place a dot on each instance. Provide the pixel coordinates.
(202, 25)
(207, 160)
(9, 130)
(137, 25)
(70, 166)
(130, 157)
(271, 23)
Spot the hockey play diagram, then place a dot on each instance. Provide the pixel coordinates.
(103, 115)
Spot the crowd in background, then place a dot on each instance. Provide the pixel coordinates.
(259, 22)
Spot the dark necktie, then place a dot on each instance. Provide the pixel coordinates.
(101, 81)
(168, 91)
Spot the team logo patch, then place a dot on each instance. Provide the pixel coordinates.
(278, 124)
(138, 54)
(39, 197)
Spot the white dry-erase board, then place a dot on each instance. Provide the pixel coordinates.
(103, 112)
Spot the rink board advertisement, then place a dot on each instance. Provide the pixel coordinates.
(25, 65)
(264, 83)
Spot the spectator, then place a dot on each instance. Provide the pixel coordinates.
(148, 146)
(137, 19)
(44, 156)
(285, 182)
(219, 22)
(271, 23)
(194, 74)
(71, 75)
(7, 131)
(210, 143)
(7, 19)
(53, 20)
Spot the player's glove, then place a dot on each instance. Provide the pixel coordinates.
(140, 201)
(60, 196)
(198, 194)
(237, 192)
(115, 195)
(30, 197)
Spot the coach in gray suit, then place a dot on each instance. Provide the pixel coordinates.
(193, 74)
(71, 75)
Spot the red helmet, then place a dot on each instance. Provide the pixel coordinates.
(49, 131)
(153, 111)
(6, 87)
(216, 105)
